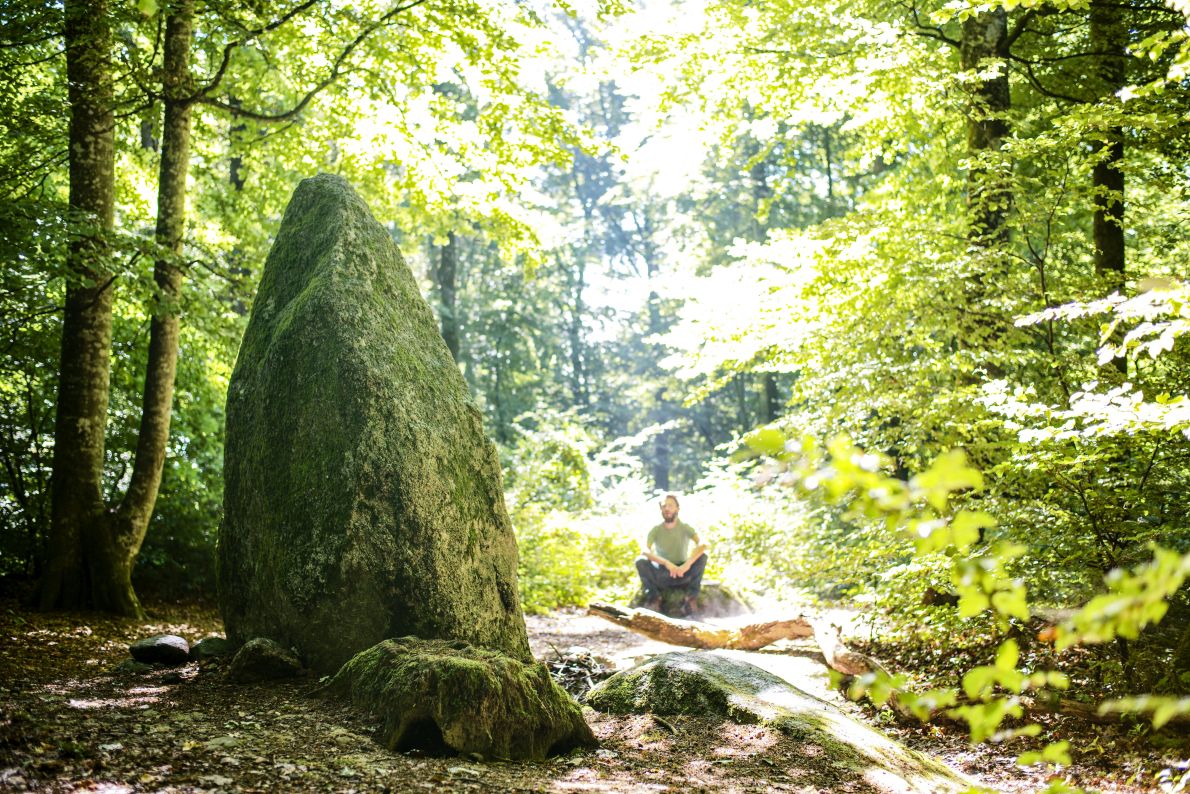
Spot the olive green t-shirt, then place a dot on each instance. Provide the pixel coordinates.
(671, 543)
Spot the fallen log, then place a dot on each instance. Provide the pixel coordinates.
(838, 656)
(694, 634)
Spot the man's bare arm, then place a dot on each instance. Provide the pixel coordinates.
(699, 550)
(664, 563)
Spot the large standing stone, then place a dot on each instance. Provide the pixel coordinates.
(362, 499)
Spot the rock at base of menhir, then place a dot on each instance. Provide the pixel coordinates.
(213, 647)
(845, 753)
(261, 659)
(362, 499)
(167, 649)
(715, 600)
(447, 697)
(131, 667)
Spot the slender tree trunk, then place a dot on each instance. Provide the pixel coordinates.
(772, 398)
(983, 50)
(828, 161)
(102, 546)
(445, 276)
(1108, 232)
(661, 411)
(984, 45)
(77, 479)
(235, 164)
(1109, 42)
(743, 415)
(116, 551)
(578, 369)
(496, 394)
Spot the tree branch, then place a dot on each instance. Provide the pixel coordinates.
(213, 82)
(929, 31)
(335, 72)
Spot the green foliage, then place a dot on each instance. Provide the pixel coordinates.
(1135, 599)
(293, 91)
(571, 512)
(569, 560)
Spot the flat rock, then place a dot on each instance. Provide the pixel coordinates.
(262, 659)
(710, 685)
(166, 649)
(362, 499)
(451, 698)
(131, 667)
(715, 600)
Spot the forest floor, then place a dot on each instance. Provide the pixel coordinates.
(70, 722)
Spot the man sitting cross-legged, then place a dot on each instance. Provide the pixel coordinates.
(668, 563)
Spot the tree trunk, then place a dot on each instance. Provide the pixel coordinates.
(445, 274)
(661, 453)
(92, 549)
(772, 398)
(662, 461)
(1109, 42)
(77, 478)
(743, 415)
(128, 526)
(984, 45)
(235, 164)
(574, 332)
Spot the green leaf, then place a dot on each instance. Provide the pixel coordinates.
(978, 681)
(1012, 602)
(1007, 655)
(948, 473)
(966, 526)
(766, 441)
(971, 602)
(1057, 753)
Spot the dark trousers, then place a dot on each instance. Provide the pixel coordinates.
(655, 578)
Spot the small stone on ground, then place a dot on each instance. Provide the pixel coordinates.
(167, 649)
(261, 659)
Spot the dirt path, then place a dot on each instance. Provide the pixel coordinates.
(68, 723)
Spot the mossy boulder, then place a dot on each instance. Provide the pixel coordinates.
(448, 697)
(715, 600)
(213, 647)
(706, 684)
(362, 499)
(261, 659)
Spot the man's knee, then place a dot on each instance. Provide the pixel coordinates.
(697, 566)
(643, 564)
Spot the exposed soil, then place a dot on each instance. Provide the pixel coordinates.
(68, 722)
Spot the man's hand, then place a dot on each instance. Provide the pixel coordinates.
(674, 570)
(681, 570)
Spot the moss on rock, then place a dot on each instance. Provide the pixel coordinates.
(445, 697)
(715, 600)
(362, 499)
(702, 683)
